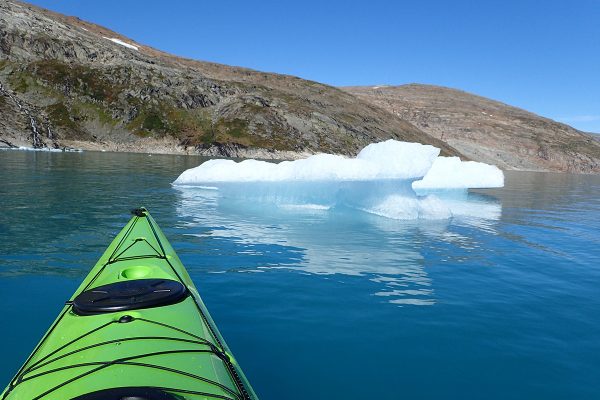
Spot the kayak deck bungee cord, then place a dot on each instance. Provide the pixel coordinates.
(136, 328)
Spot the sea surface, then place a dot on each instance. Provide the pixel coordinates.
(499, 302)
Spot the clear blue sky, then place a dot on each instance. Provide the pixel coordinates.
(543, 56)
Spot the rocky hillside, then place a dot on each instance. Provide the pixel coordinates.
(66, 82)
(487, 130)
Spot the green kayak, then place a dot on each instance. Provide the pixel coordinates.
(135, 329)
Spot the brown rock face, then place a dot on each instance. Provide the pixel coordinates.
(73, 77)
(488, 131)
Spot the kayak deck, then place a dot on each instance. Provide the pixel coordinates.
(136, 321)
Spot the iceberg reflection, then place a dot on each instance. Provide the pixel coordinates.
(323, 241)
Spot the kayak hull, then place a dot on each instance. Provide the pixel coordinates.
(140, 340)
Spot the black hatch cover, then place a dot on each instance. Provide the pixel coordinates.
(129, 295)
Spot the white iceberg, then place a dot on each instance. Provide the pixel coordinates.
(381, 180)
(386, 160)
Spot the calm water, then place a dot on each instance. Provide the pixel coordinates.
(500, 302)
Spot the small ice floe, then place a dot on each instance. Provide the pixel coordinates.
(122, 43)
(43, 149)
(25, 148)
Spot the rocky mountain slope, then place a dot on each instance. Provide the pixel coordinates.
(487, 130)
(66, 82)
(70, 83)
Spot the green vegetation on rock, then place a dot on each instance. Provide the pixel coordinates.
(83, 80)
(153, 122)
(60, 115)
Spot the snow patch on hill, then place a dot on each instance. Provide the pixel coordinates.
(122, 43)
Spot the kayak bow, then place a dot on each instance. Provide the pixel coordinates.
(136, 328)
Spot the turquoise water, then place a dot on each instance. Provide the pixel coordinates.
(502, 301)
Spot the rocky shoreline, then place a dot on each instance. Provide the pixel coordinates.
(170, 147)
(160, 146)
